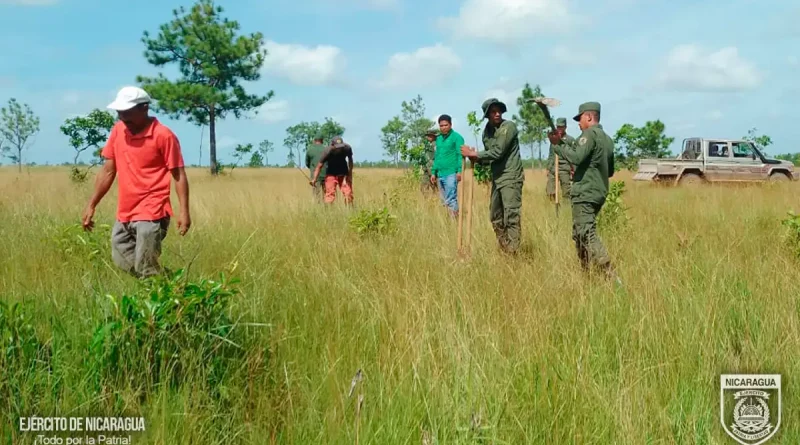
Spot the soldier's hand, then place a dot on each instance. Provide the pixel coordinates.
(458, 177)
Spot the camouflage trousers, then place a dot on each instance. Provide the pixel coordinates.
(505, 207)
(136, 246)
(564, 181)
(584, 232)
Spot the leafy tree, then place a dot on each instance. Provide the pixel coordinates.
(531, 121)
(290, 159)
(264, 149)
(90, 131)
(648, 141)
(256, 160)
(17, 125)
(411, 144)
(762, 141)
(212, 60)
(239, 152)
(393, 138)
(482, 172)
(299, 136)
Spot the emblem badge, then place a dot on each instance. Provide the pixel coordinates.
(750, 406)
(582, 141)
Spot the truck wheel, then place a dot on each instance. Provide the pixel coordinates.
(778, 177)
(690, 179)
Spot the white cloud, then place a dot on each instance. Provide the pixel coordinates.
(793, 60)
(274, 111)
(226, 141)
(714, 115)
(572, 57)
(505, 90)
(507, 22)
(426, 66)
(693, 68)
(304, 65)
(29, 2)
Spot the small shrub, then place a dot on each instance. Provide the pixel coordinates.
(483, 174)
(614, 214)
(75, 243)
(367, 222)
(167, 332)
(792, 234)
(78, 176)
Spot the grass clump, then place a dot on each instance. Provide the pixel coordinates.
(165, 331)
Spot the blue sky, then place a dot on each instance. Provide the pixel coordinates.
(705, 68)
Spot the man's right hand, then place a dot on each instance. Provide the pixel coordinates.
(88, 214)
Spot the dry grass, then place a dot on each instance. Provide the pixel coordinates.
(534, 350)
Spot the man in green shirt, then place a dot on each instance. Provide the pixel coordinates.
(447, 163)
(564, 167)
(593, 157)
(501, 143)
(313, 155)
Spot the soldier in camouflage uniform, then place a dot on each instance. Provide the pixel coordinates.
(501, 143)
(426, 185)
(564, 167)
(593, 157)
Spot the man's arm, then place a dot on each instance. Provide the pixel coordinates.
(575, 152)
(503, 137)
(308, 160)
(459, 142)
(103, 182)
(182, 187)
(350, 163)
(318, 169)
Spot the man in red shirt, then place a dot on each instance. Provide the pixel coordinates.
(143, 154)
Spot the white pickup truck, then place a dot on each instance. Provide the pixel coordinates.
(716, 160)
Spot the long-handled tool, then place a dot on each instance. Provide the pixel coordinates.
(543, 103)
(460, 235)
(469, 174)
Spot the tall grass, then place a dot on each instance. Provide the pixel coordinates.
(489, 350)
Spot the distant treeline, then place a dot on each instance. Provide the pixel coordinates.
(527, 163)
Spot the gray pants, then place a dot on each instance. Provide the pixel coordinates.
(136, 246)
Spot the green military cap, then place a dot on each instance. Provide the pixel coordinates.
(586, 106)
(561, 122)
(318, 137)
(336, 140)
(489, 102)
(432, 132)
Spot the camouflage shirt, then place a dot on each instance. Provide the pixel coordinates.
(502, 153)
(593, 157)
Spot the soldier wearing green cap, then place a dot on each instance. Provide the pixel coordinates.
(426, 184)
(593, 157)
(501, 143)
(564, 167)
(313, 155)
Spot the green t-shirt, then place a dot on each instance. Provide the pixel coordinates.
(447, 159)
(313, 155)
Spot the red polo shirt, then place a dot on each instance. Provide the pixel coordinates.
(143, 163)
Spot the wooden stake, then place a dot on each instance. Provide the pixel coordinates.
(460, 206)
(558, 187)
(470, 174)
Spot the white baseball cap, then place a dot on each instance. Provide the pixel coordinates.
(129, 97)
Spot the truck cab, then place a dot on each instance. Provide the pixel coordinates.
(716, 160)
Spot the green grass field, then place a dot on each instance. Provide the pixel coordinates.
(494, 350)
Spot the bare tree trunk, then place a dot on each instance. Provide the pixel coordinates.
(212, 135)
(19, 159)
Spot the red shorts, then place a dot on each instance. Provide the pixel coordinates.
(330, 188)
